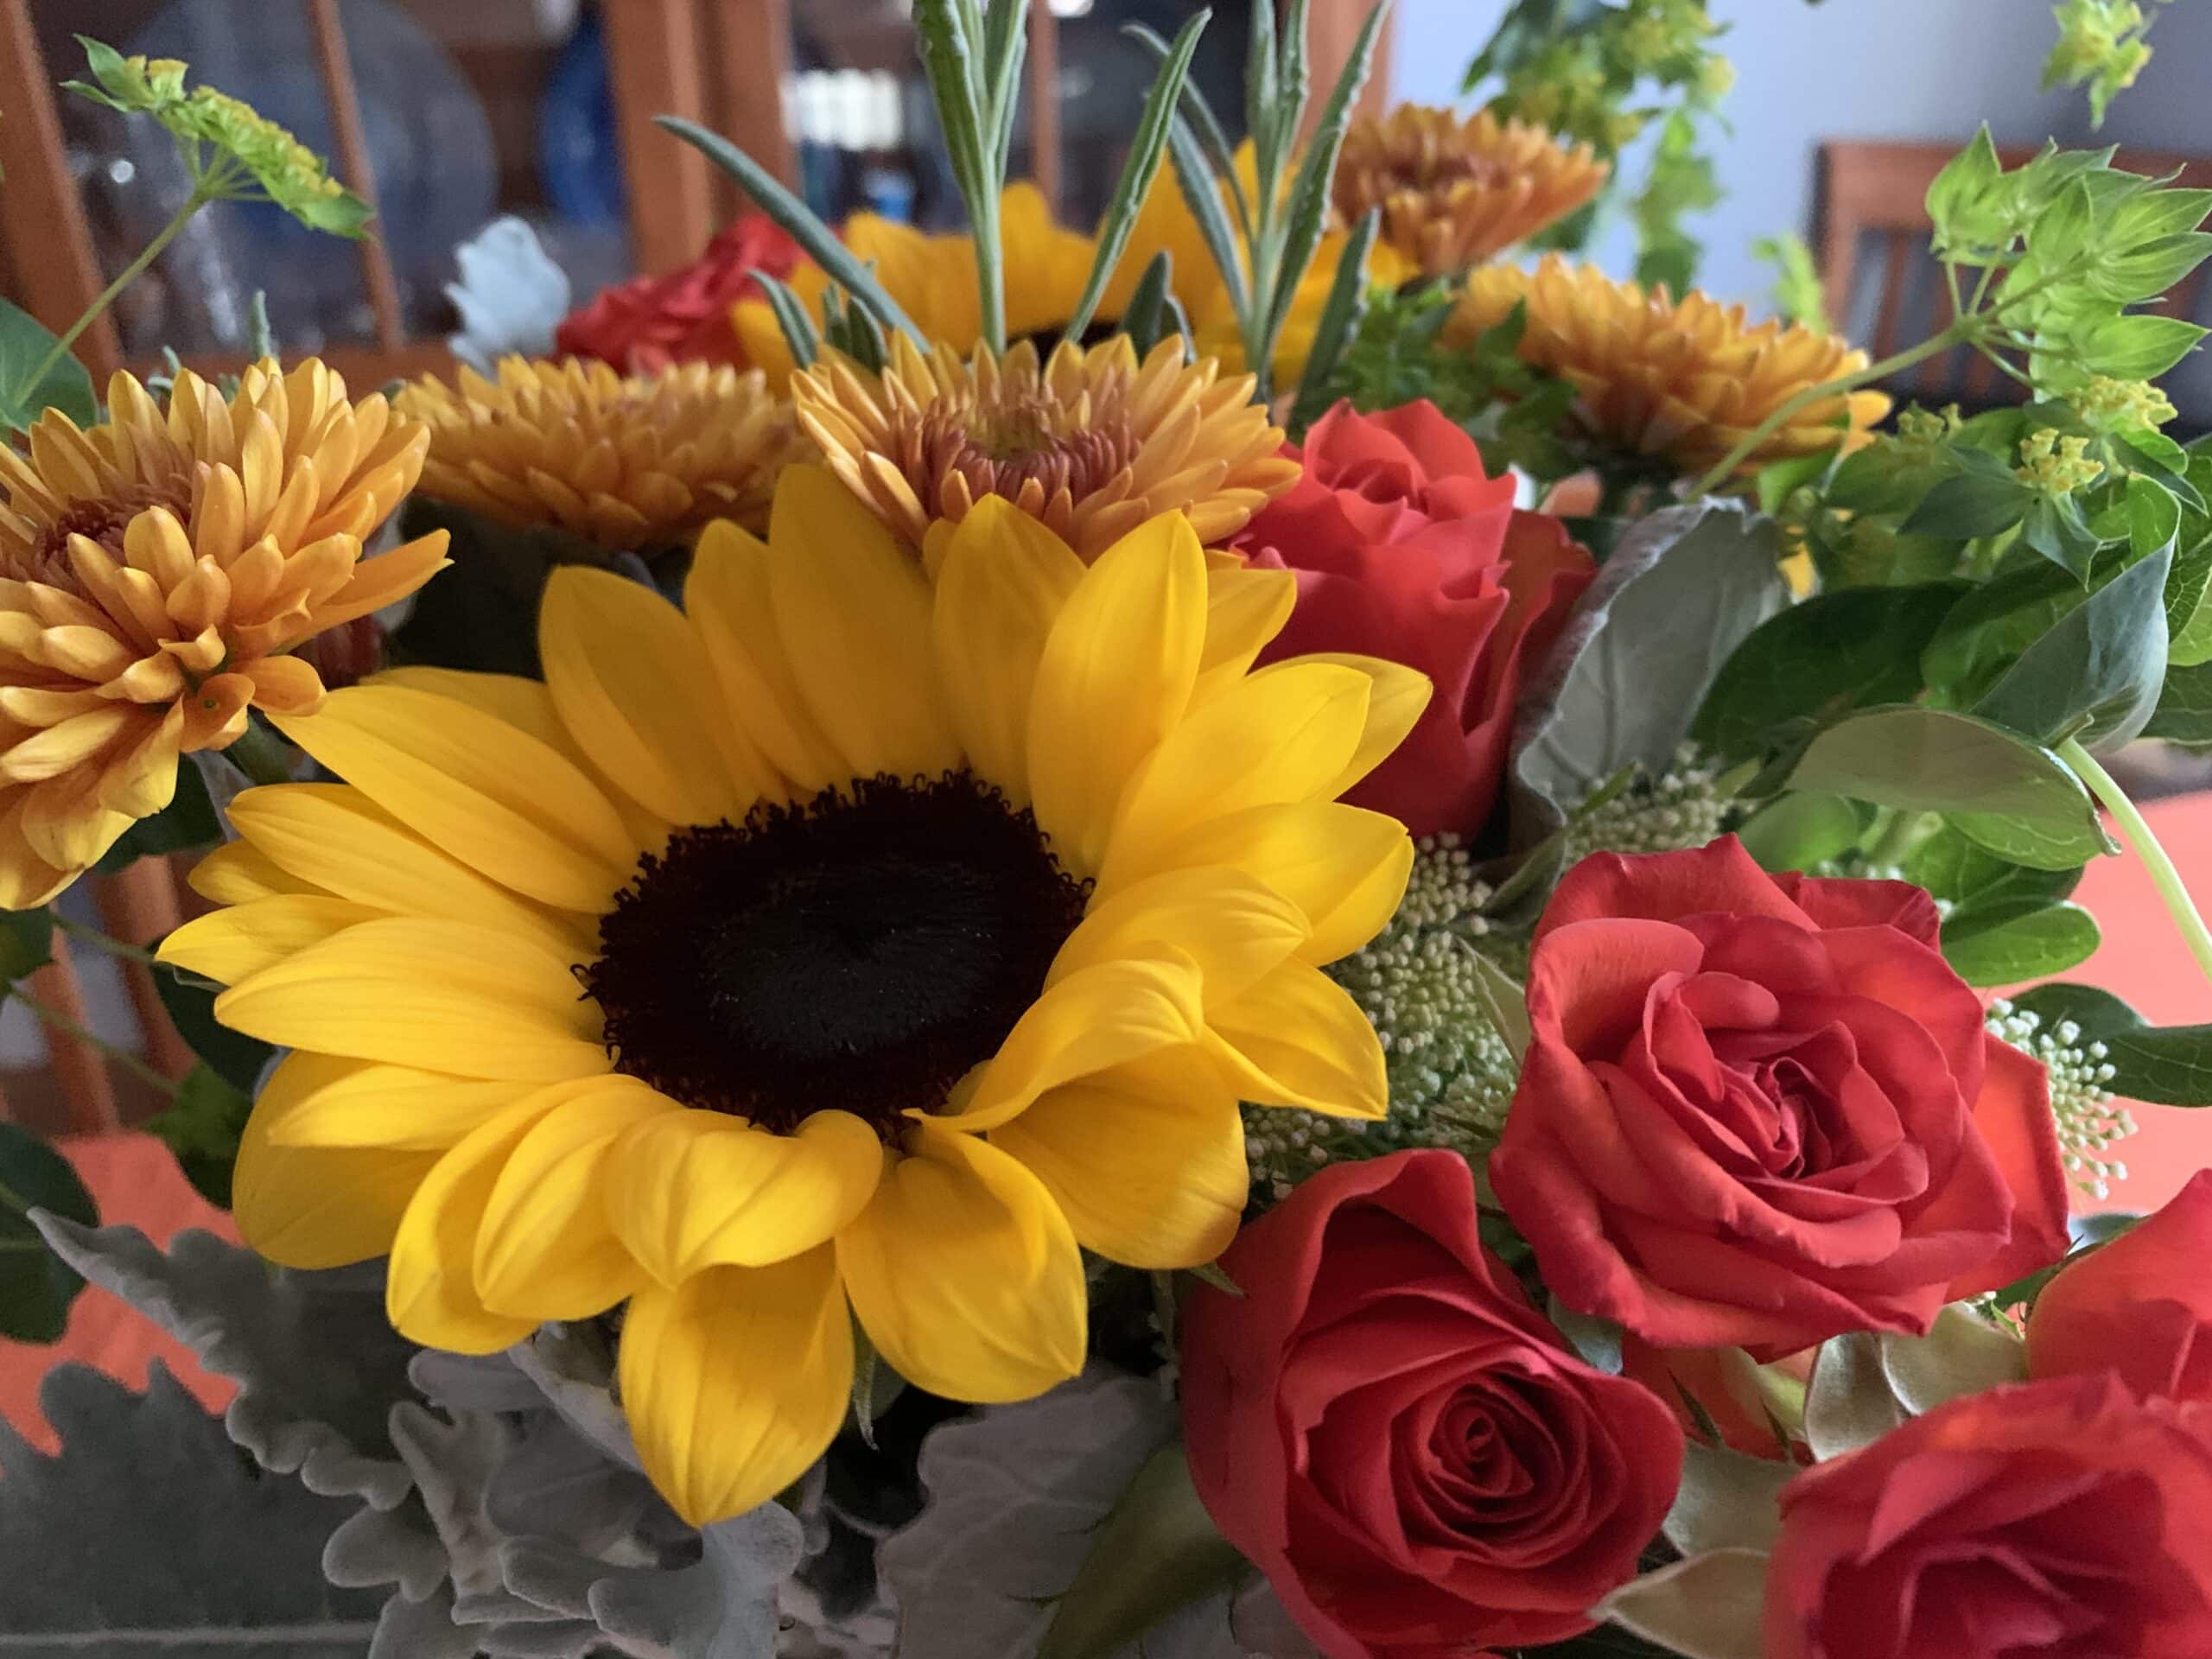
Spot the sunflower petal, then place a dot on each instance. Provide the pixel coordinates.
(1297, 1039)
(1245, 608)
(229, 945)
(310, 1206)
(725, 596)
(694, 1190)
(1234, 928)
(966, 1275)
(736, 1380)
(430, 1292)
(1393, 706)
(1146, 1159)
(339, 1103)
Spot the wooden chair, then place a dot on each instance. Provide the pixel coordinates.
(1873, 217)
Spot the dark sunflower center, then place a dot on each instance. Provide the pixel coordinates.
(859, 952)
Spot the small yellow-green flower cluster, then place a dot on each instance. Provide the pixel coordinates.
(2100, 43)
(1452, 1076)
(2113, 405)
(1681, 808)
(1923, 429)
(243, 140)
(2056, 463)
(2090, 1120)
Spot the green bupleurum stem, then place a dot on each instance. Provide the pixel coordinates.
(2173, 893)
(199, 198)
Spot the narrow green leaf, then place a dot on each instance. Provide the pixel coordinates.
(1504, 1001)
(792, 318)
(26, 944)
(1006, 43)
(1144, 320)
(1137, 171)
(1969, 504)
(36, 1287)
(1260, 99)
(821, 243)
(1340, 317)
(1202, 195)
(1203, 125)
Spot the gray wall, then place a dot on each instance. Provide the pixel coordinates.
(1921, 69)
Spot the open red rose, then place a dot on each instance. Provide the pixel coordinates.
(1762, 1110)
(2140, 1306)
(649, 322)
(1383, 1424)
(1405, 548)
(2064, 1518)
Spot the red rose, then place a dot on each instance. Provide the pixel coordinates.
(1762, 1110)
(2140, 1306)
(1384, 1425)
(649, 322)
(2062, 1518)
(1406, 548)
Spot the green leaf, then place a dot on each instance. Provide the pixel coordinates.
(26, 944)
(2153, 518)
(2056, 528)
(1801, 828)
(189, 1002)
(1339, 318)
(2151, 269)
(1969, 504)
(2184, 711)
(2136, 347)
(1973, 880)
(1505, 1002)
(1955, 194)
(1986, 632)
(1833, 652)
(1137, 171)
(774, 199)
(24, 343)
(1600, 1342)
(35, 1286)
(1156, 1552)
(1994, 948)
(1144, 319)
(2165, 1065)
(2009, 794)
(201, 1127)
(2096, 674)
(791, 317)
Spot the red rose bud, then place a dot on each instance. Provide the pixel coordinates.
(1405, 548)
(1382, 1423)
(2063, 1518)
(2141, 1307)
(649, 322)
(1761, 1110)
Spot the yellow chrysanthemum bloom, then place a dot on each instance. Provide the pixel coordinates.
(933, 278)
(927, 936)
(1091, 442)
(1455, 193)
(1684, 380)
(635, 463)
(155, 572)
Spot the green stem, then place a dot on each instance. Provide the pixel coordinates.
(1897, 839)
(991, 265)
(260, 755)
(105, 943)
(2173, 892)
(121, 1057)
(199, 198)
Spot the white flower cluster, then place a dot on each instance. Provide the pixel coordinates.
(2090, 1120)
(1681, 808)
(1450, 1075)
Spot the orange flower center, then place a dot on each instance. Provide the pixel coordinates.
(1011, 442)
(99, 519)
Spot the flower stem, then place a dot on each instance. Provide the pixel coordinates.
(199, 198)
(2173, 892)
(260, 755)
(121, 1057)
(105, 943)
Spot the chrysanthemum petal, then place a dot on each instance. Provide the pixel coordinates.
(312, 1206)
(501, 800)
(630, 678)
(1234, 928)
(1277, 737)
(229, 945)
(1146, 1160)
(444, 995)
(736, 1380)
(1005, 579)
(854, 611)
(340, 1103)
(547, 1248)
(430, 1292)
(1115, 678)
(695, 1190)
(1097, 1017)
(1297, 1039)
(966, 1275)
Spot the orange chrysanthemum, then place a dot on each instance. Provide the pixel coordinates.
(155, 572)
(1454, 193)
(1090, 442)
(634, 464)
(1686, 380)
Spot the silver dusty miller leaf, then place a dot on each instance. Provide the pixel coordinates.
(148, 1532)
(511, 296)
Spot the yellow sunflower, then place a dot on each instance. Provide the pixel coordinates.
(1686, 380)
(925, 938)
(1457, 193)
(155, 573)
(1090, 442)
(933, 280)
(634, 463)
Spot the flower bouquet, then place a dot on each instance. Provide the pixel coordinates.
(1246, 936)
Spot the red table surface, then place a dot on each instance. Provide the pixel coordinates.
(2143, 960)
